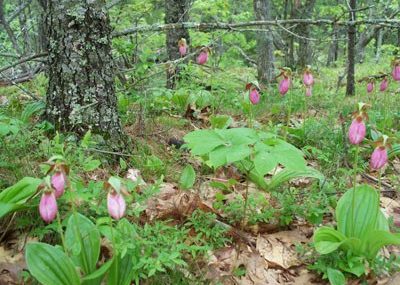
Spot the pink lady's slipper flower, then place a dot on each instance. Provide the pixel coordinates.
(308, 91)
(357, 130)
(58, 182)
(48, 206)
(182, 47)
(308, 78)
(284, 85)
(384, 85)
(203, 56)
(378, 158)
(254, 96)
(396, 70)
(116, 205)
(370, 86)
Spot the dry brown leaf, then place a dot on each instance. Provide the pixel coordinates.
(224, 261)
(11, 266)
(279, 248)
(173, 203)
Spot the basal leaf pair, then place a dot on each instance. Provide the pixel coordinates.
(365, 235)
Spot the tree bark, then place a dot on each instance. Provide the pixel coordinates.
(81, 94)
(378, 43)
(334, 47)
(364, 39)
(350, 86)
(265, 43)
(289, 60)
(176, 11)
(304, 12)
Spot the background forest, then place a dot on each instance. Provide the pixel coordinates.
(199, 142)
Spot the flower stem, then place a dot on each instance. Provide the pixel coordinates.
(251, 116)
(304, 119)
(380, 183)
(288, 115)
(61, 232)
(353, 202)
(246, 198)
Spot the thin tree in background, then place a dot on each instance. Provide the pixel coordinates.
(350, 87)
(265, 43)
(176, 11)
(81, 93)
(304, 11)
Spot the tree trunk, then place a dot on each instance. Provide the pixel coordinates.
(350, 87)
(289, 55)
(265, 43)
(176, 11)
(378, 43)
(42, 40)
(304, 12)
(332, 53)
(81, 94)
(364, 39)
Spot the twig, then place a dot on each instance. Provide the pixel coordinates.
(109, 152)
(395, 23)
(23, 60)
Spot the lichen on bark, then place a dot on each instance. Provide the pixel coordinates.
(81, 93)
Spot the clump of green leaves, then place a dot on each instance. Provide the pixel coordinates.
(255, 153)
(362, 237)
(209, 232)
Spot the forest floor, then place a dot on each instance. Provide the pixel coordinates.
(271, 243)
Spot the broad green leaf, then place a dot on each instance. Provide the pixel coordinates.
(365, 212)
(237, 153)
(203, 141)
(121, 271)
(6, 208)
(375, 240)
(336, 277)
(289, 156)
(218, 156)
(382, 222)
(238, 136)
(264, 162)
(82, 238)
(327, 240)
(14, 197)
(49, 265)
(289, 174)
(21, 191)
(97, 275)
(188, 177)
